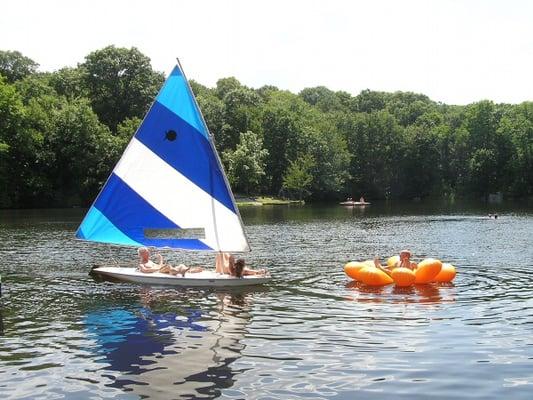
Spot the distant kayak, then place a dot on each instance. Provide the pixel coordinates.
(354, 203)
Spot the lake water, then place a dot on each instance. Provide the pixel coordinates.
(311, 334)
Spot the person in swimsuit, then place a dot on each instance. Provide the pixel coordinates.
(148, 266)
(145, 264)
(225, 263)
(405, 260)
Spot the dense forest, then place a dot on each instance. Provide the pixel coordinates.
(62, 132)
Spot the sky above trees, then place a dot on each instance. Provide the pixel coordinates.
(456, 52)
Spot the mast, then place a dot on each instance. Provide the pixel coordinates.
(219, 162)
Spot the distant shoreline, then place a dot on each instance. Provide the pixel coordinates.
(265, 201)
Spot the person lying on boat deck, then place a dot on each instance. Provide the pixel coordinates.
(179, 269)
(225, 263)
(148, 266)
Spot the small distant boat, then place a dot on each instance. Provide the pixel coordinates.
(352, 203)
(169, 190)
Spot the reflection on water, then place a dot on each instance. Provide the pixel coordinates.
(152, 352)
(432, 293)
(312, 333)
(1, 322)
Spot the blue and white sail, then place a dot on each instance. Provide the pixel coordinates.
(168, 183)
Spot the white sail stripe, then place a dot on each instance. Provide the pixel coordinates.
(178, 198)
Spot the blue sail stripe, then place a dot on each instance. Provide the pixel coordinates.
(190, 153)
(130, 213)
(179, 146)
(97, 227)
(176, 96)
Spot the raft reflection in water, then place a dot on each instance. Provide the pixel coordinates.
(170, 353)
(433, 293)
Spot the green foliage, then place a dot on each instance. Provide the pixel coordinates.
(14, 66)
(266, 91)
(246, 164)
(213, 111)
(34, 86)
(11, 110)
(62, 132)
(369, 101)
(420, 162)
(84, 152)
(483, 171)
(282, 123)
(517, 126)
(69, 82)
(408, 107)
(121, 83)
(226, 85)
(241, 113)
(481, 123)
(331, 159)
(376, 144)
(125, 131)
(298, 178)
(321, 97)
(11, 122)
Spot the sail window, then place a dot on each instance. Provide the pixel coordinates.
(175, 233)
(171, 135)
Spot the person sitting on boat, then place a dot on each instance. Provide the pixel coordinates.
(148, 266)
(145, 264)
(225, 263)
(361, 199)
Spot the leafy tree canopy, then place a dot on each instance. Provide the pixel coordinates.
(14, 66)
(121, 83)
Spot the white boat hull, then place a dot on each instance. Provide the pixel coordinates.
(204, 278)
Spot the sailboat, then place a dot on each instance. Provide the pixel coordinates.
(169, 190)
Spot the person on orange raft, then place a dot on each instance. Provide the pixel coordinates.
(225, 263)
(405, 260)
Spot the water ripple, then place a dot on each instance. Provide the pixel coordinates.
(312, 333)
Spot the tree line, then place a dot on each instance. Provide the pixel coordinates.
(62, 132)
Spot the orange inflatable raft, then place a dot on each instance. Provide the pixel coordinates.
(427, 271)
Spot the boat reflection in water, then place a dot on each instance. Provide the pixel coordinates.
(430, 293)
(181, 353)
